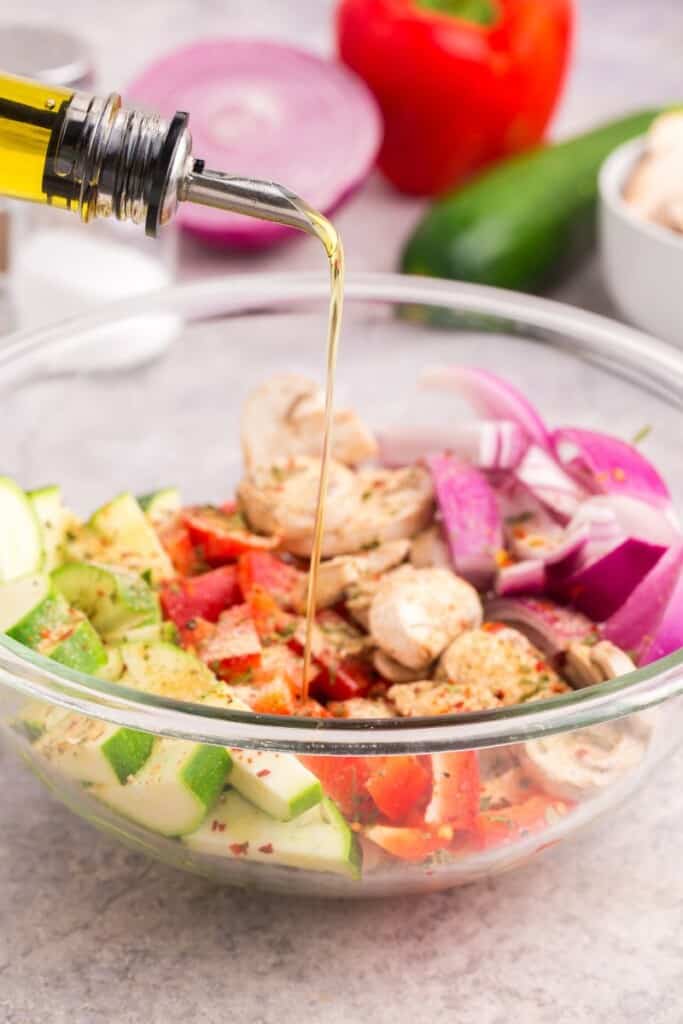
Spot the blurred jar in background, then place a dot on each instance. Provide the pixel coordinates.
(53, 269)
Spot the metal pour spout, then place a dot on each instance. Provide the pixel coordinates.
(263, 199)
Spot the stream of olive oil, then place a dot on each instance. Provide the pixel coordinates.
(330, 239)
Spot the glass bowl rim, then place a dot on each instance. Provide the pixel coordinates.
(652, 364)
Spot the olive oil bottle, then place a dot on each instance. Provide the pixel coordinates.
(92, 155)
(30, 116)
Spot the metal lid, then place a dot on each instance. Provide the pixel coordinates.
(46, 54)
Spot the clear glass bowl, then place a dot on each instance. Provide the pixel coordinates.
(176, 421)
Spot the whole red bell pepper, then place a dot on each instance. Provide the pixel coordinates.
(461, 83)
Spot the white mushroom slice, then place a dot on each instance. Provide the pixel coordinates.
(383, 558)
(286, 417)
(281, 499)
(363, 510)
(499, 666)
(611, 660)
(588, 665)
(429, 550)
(579, 668)
(337, 575)
(426, 698)
(334, 579)
(581, 764)
(360, 707)
(358, 603)
(416, 613)
(393, 671)
(653, 189)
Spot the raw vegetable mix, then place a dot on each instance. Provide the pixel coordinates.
(484, 564)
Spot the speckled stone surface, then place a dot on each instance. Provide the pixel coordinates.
(91, 933)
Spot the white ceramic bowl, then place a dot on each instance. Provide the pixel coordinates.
(642, 262)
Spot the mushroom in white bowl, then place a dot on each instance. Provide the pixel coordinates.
(641, 228)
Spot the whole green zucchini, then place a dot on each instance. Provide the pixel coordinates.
(525, 221)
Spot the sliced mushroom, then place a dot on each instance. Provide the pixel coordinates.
(363, 510)
(358, 600)
(334, 579)
(286, 417)
(588, 665)
(416, 613)
(581, 764)
(393, 671)
(337, 575)
(426, 697)
(359, 707)
(497, 665)
(653, 188)
(429, 550)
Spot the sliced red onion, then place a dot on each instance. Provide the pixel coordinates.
(471, 518)
(650, 622)
(599, 588)
(521, 578)
(265, 110)
(550, 484)
(486, 444)
(607, 465)
(490, 396)
(611, 516)
(551, 627)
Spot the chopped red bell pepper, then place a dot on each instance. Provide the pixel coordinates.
(204, 596)
(505, 825)
(343, 779)
(398, 784)
(196, 633)
(343, 679)
(344, 673)
(234, 648)
(460, 84)
(270, 573)
(277, 698)
(272, 624)
(177, 543)
(456, 789)
(222, 538)
(411, 844)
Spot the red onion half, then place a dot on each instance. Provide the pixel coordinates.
(265, 110)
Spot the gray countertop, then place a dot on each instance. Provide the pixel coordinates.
(90, 932)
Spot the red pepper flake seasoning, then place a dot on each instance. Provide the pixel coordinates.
(267, 848)
(262, 774)
(217, 826)
(239, 849)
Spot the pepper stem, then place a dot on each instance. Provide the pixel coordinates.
(481, 12)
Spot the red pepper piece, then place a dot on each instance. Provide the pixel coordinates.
(506, 825)
(343, 779)
(204, 596)
(411, 844)
(344, 679)
(234, 648)
(458, 87)
(196, 633)
(177, 543)
(456, 790)
(220, 537)
(270, 573)
(398, 784)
